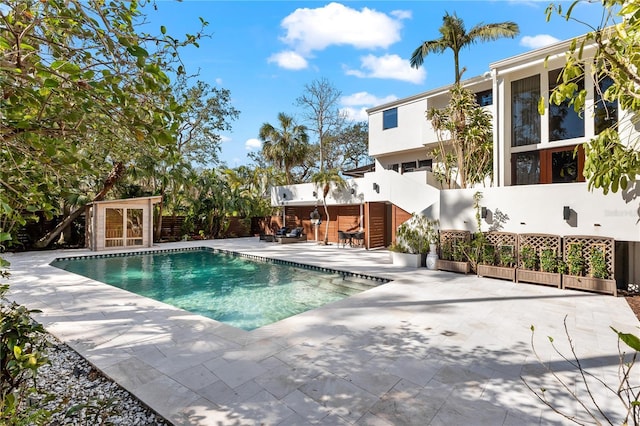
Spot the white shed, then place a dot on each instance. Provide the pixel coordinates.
(120, 223)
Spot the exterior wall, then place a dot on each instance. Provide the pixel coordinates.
(539, 208)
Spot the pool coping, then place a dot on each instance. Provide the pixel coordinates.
(423, 346)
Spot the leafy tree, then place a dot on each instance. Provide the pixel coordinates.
(610, 162)
(321, 112)
(468, 128)
(254, 185)
(325, 181)
(207, 111)
(83, 94)
(455, 37)
(348, 147)
(285, 147)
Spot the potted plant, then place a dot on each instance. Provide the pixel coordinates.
(413, 239)
(541, 269)
(453, 249)
(593, 275)
(498, 262)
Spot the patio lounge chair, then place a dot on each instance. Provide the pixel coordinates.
(294, 236)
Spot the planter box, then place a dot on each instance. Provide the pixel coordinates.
(539, 277)
(408, 259)
(453, 266)
(599, 285)
(500, 272)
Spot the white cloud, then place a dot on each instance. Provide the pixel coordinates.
(219, 81)
(253, 144)
(538, 41)
(335, 24)
(388, 66)
(402, 14)
(224, 138)
(365, 99)
(355, 114)
(289, 60)
(355, 106)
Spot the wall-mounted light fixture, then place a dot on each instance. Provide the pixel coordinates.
(315, 194)
(352, 191)
(483, 212)
(284, 195)
(566, 212)
(376, 187)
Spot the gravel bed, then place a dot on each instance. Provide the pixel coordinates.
(83, 396)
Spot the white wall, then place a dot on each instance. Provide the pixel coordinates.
(538, 209)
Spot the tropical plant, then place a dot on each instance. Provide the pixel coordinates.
(284, 147)
(454, 36)
(324, 181)
(489, 254)
(609, 163)
(467, 127)
(416, 234)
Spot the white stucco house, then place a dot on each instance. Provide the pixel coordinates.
(538, 186)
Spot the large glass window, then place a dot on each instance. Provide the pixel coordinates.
(606, 112)
(526, 168)
(134, 227)
(564, 121)
(390, 118)
(558, 165)
(525, 119)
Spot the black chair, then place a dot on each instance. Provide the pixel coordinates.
(344, 238)
(358, 239)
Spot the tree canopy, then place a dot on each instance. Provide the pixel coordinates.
(454, 36)
(612, 157)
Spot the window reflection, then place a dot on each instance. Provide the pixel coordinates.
(525, 119)
(526, 169)
(564, 121)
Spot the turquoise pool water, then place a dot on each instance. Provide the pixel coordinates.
(237, 291)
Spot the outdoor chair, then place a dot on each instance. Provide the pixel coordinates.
(344, 238)
(357, 239)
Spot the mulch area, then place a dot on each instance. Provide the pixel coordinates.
(633, 299)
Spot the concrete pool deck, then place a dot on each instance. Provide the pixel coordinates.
(428, 348)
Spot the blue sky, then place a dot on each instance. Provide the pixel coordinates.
(265, 52)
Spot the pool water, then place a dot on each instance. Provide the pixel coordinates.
(237, 291)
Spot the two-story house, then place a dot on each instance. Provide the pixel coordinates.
(538, 186)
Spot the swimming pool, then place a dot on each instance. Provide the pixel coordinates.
(242, 292)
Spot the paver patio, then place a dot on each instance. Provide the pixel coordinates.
(428, 348)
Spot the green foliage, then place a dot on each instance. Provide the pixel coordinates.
(489, 254)
(598, 263)
(506, 256)
(21, 354)
(609, 164)
(549, 261)
(416, 234)
(284, 147)
(467, 128)
(325, 181)
(529, 258)
(575, 259)
(454, 36)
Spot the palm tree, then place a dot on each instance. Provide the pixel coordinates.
(285, 147)
(455, 37)
(324, 180)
